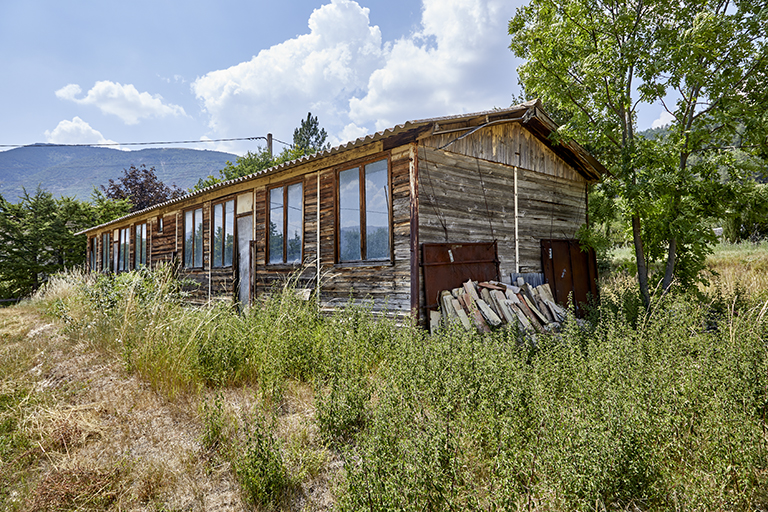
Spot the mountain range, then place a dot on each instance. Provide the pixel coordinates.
(74, 170)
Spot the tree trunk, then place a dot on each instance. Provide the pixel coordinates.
(642, 269)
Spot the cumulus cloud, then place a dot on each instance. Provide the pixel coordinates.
(75, 131)
(458, 61)
(123, 101)
(664, 119)
(314, 72)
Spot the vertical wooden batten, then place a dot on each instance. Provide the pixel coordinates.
(317, 249)
(414, 227)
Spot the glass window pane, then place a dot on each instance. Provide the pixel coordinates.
(349, 215)
(376, 211)
(218, 233)
(105, 252)
(199, 237)
(189, 239)
(276, 225)
(144, 244)
(141, 245)
(294, 235)
(229, 231)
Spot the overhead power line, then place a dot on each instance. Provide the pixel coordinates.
(158, 143)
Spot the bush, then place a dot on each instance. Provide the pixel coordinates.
(260, 467)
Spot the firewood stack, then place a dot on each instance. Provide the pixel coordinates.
(489, 305)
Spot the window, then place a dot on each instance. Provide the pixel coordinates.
(141, 246)
(285, 224)
(223, 233)
(123, 258)
(364, 210)
(92, 254)
(105, 252)
(193, 238)
(160, 224)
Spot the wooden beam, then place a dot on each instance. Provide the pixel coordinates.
(414, 194)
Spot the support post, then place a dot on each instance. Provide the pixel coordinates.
(414, 228)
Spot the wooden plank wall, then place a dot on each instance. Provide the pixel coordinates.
(163, 245)
(510, 144)
(467, 199)
(268, 276)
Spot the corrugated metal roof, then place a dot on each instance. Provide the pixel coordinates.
(363, 141)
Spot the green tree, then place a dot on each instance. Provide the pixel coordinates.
(307, 139)
(37, 237)
(600, 60)
(141, 187)
(713, 56)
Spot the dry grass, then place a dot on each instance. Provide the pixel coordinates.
(743, 266)
(91, 436)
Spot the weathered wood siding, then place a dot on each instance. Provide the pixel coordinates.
(468, 198)
(267, 276)
(163, 244)
(384, 285)
(510, 144)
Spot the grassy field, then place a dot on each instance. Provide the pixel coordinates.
(115, 396)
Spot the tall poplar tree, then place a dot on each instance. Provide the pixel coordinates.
(599, 61)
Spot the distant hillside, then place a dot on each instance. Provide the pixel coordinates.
(74, 171)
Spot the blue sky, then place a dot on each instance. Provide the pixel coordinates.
(144, 71)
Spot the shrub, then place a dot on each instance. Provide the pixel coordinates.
(260, 467)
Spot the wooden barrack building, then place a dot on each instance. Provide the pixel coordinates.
(375, 219)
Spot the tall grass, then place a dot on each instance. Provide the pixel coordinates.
(628, 410)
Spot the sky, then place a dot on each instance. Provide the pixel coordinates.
(87, 72)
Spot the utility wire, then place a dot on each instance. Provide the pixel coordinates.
(100, 144)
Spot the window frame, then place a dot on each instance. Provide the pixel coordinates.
(360, 166)
(193, 211)
(124, 250)
(140, 250)
(222, 202)
(106, 245)
(284, 185)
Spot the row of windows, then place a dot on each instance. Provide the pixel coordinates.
(122, 250)
(363, 215)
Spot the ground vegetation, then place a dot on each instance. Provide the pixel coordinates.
(291, 409)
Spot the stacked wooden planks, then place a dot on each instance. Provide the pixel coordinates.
(490, 305)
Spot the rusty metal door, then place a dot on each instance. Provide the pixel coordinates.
(568, 270)
(447, 266)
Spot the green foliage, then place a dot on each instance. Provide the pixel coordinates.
(260, 466)
(37, 239)
(597, 63)
(250, 163)
(747, 219)
(606, 415)
(309, 137)
(214, 436)
(653, 411)
(141, 188)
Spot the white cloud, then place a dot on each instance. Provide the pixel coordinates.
(123, 101)
(664, 119)
(342, 72)
(75, 131)
(458, 62)
(314, 72)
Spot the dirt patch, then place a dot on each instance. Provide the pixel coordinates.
(102, 439)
